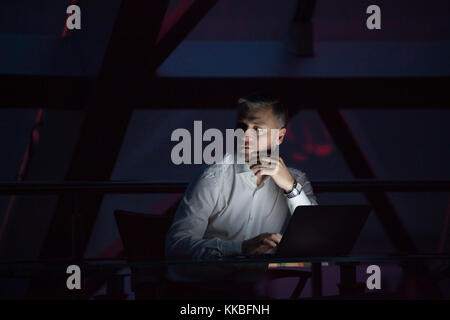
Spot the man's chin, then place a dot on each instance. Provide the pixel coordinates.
(251, 156)
(245, 153)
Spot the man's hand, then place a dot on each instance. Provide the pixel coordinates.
(261, 244)
(277, 170)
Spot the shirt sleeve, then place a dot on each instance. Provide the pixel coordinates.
(184, 239)
(306, 196)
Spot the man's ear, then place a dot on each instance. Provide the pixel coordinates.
(281, 134)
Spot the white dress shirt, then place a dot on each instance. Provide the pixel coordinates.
(222, 207)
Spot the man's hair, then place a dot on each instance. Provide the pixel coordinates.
(263, 100)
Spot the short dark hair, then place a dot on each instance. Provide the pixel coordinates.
(264, 100)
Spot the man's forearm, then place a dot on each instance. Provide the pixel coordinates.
(201, 249)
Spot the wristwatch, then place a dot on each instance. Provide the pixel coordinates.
(294, 192)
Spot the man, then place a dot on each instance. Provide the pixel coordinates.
(241, 208)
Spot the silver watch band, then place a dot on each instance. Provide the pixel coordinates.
(295, 191)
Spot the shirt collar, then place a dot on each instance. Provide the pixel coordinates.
(239, 167)
(242, 168)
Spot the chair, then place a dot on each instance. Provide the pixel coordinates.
(143, 237)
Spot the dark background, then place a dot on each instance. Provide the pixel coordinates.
(235, 39)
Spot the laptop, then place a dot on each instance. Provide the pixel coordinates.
(315, 231)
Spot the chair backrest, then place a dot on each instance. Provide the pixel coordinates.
(143, 235)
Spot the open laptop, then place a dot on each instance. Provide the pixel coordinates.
(321, 231)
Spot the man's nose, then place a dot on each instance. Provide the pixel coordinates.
(250, 133)
(249, 138)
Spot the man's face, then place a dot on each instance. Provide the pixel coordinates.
(262, 131)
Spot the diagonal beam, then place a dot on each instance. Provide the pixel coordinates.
(382, 205)
(107, 116)
(360, 168)
(122, 75)
(177, 25)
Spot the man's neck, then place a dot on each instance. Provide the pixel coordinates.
(260, 179)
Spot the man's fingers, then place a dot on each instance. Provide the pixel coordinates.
(267, 172)
(265, 159)
(271, 238)
(259, 172)
(268, 169)
(269, 242)
(276, 237)
(262, 165)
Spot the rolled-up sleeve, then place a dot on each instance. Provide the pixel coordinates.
(184, 239)
(306, 196)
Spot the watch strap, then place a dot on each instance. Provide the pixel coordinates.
(294, 192)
